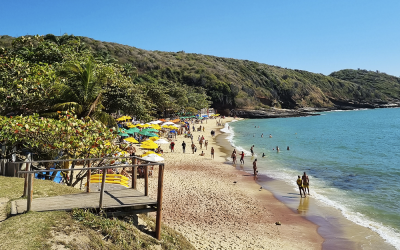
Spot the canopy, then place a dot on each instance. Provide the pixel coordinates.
(131, 139)
(153, 157)
(161, 141)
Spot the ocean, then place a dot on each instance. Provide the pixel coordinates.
(352, 159)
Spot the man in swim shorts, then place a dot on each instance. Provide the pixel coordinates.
(300, 185)
(306, 183)
(255, 167)
(251, 150)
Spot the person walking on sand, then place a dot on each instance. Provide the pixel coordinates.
(206, 144)
(172, 146)
(201, 143)
(300, 185)
(183, 146)
(306, 183)
(212, 152)
(193, 146)
(255, 167)
(251, 150)
(242, 157)
(233, 157)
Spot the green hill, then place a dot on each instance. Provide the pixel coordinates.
(243, 84)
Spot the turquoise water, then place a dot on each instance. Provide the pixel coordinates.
(352, 158)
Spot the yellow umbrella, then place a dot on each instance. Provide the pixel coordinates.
(156, 126)
(128, 117)
(154, 138)
(149, 146)
(131, 139)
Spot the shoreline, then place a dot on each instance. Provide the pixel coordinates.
(217, 206)
(338, 231)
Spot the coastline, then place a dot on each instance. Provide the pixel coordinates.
(214, 205)
(337, 231)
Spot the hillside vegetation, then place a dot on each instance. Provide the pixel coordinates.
(231, 83)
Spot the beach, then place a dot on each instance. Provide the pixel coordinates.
(216, 206)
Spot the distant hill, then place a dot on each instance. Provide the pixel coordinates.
(244, 84)
(382, 82)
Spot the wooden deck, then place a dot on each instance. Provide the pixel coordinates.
(112, 199)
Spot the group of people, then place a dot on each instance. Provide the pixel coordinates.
(303, 183)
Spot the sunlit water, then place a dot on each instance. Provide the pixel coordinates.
(352, 158)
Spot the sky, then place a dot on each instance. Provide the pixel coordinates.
(319, 36)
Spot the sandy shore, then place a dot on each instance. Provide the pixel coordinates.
(203, 202)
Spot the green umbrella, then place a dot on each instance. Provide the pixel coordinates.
(132, 130)
(123, 134)
(150, 130)
(144, 133)
(152, 134)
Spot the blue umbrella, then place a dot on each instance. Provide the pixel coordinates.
(172, 131)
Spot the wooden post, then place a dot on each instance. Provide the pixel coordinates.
(30, 192)
(146, 180)
(27, 168)
(134, 173)
(102, 188)
(159, 201)
(88, 176)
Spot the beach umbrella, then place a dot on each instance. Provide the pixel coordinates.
(123, 134)
(152, 157)
(149, 145)
(150, 130)
(168, 123)
(131, 139)
(154, 138)
(156, 122)
(205, 115)
(161, 141)
(143, 132)
(152, 135)
(172, 131)
(132, 130)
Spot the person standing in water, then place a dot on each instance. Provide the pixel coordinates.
(300, 185)
(242, 157)
(306, 183)
(255, 167)
(251, 150)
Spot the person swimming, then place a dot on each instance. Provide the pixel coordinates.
(263, 155)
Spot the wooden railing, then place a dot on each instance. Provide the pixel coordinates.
(29, 176)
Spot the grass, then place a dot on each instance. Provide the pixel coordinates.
(79, 229)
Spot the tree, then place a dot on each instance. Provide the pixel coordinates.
(64, 138)
(82, 90)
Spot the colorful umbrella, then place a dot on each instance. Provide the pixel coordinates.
(131, 139)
